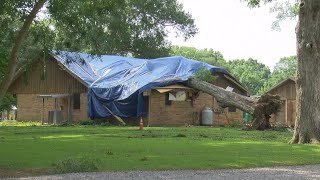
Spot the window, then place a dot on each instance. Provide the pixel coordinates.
(232, 109)
(76, 101)
(167, 101)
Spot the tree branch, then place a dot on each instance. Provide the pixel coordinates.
(13, 61)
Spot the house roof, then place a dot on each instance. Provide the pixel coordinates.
(291, 78)
(117, 82)
(237, 83)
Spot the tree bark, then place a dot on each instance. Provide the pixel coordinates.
(307, 125)
(13, 61)
(261, 108)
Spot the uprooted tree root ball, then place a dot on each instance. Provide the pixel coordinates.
(267, 104)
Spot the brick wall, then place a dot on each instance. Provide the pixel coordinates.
(181, 112)
(227, 118)
(82, 113)
(30, 107)
(178, 113)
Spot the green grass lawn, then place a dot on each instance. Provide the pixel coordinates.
(33, 150)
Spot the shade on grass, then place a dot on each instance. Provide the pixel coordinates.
(126, 148)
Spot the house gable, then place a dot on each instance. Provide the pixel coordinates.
(286, 89)
(55, 80)
(224, 81)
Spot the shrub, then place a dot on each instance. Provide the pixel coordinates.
(94, 122)
(88, 122)
(235, 123)
(180, 135)
(144, 158)
(73, 165)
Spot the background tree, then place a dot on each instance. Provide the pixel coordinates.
(250, 73)
(286, 67)
(135, 27)
(209, 56)
(307, 126)
(125, 27)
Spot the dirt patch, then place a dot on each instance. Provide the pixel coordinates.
(15, 173)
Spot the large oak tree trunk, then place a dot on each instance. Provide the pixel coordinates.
(261, 108)
(13, 61)
(307, 125)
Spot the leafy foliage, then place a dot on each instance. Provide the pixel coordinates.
(250, 73)
(8, 101)
(254, 3)
(205, 75)
(125, 27)
(206, 55)
(286, 67)
(286, 9)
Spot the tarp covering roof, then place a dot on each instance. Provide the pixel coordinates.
(117, 82)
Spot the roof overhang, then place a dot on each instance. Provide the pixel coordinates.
(175, 87)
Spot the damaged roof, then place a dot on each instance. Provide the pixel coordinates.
(116, 83)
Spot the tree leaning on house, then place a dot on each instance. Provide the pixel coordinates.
(307, 126)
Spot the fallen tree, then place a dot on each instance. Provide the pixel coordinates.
(260, 108)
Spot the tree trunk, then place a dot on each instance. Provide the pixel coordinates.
(307, 125)
(261, 109)
(13, 61)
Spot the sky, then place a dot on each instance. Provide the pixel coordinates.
(239, 32)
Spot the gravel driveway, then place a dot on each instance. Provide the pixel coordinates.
(283, 173)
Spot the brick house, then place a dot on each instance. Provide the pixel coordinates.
(164, 112)
(286, 89)
(36, 96)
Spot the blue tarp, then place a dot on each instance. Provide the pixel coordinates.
(117, 82)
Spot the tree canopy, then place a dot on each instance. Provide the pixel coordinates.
(256, 76)
(29, 29)
(135, 27)
(209, 56)
(286, 67)
(250, 73)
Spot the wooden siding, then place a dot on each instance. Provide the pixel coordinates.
(56, 81)
(287, 90)
(224, 83)
(291, 112)
(287, 114)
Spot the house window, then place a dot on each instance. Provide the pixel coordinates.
(232, 109)
(167, 101)
(76, 101)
